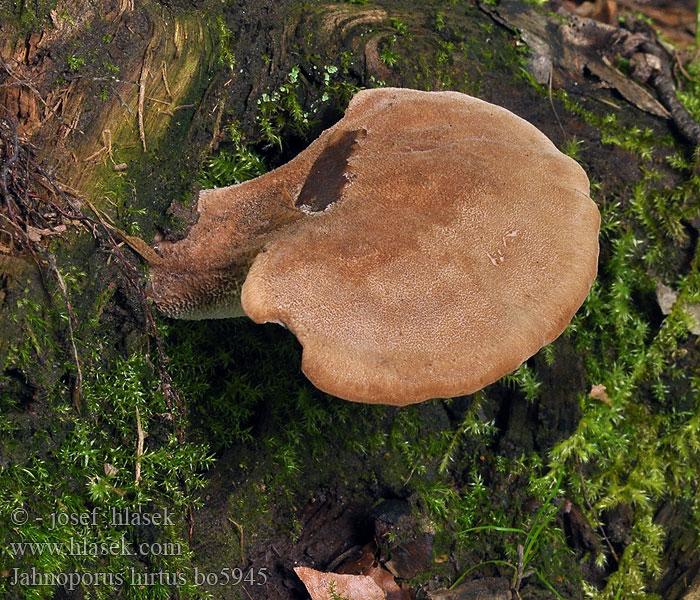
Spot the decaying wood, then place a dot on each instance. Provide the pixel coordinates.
(577, 45)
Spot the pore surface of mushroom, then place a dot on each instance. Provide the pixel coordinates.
(423, 246)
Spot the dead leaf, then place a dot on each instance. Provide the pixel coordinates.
(599, 393)
(666, 297)
(328, 586)
(630, 90)
(365, 563)
(34, 234)
(110, 470)
(388, 585)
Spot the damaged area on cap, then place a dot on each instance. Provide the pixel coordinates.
(329, 174)
(465, 243)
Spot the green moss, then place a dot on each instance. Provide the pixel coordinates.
(70, 519)
(235, 162)
(26, 16)
(282, 110)
(226, 55)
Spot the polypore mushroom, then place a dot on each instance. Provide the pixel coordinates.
(425, 245)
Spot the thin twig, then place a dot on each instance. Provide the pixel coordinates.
(95, 154)
(190, 522)
(164, 71)
(121, 100)
(142, 88)
(158, 100)
(521, 567)
(551, 101)
(141, 436)
(107, 139)
(240, 530)
(142, 95)
(680, 66)
(77, 388)
(595, 516)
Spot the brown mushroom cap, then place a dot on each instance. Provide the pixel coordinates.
(452, 242)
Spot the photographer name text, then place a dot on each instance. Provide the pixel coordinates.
(112, 516)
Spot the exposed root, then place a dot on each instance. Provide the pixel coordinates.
(145, 66)
(142, 96)
(164, 72)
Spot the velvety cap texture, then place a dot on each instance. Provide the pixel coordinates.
(423, 246)
(447, 241)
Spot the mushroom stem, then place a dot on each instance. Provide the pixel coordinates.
(201, 277)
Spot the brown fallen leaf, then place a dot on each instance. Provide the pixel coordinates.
(599, 393)
(388, 585)
(110, 469)
(34, 234)
(331, 586)
(365, 563)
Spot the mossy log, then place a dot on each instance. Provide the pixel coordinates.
(121, 103)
